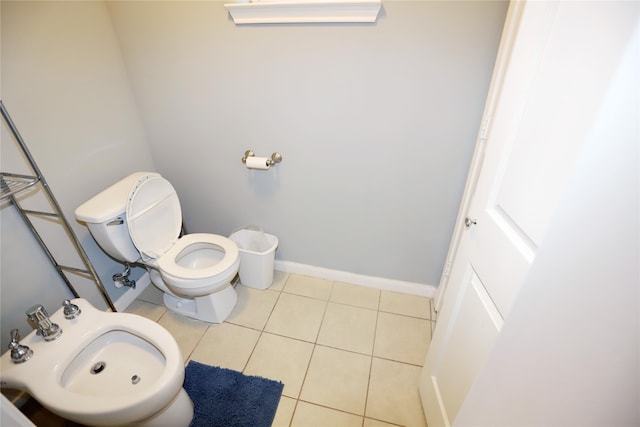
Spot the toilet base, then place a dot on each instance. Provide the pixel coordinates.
(212, 308)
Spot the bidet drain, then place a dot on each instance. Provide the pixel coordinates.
(98, 367)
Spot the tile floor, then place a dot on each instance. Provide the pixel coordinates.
(348, 355)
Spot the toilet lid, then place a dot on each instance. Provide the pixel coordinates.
(154, 216)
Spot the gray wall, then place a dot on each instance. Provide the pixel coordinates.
(376, 124)
(64, 83)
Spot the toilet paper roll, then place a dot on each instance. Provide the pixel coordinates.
(254, 162)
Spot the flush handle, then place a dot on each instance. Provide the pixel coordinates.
(468, 222)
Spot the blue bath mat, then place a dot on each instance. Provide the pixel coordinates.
(225, 398)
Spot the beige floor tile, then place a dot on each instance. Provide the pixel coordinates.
(310, 415)
(146, 309)
(409, 305)
(337, 379)
(284, 413)
(152, 294)
(360, 296)
(253, 307)
(348, 328)
(282, 359)
(187, 332)
(296, 317)
(368, 422)
(226, 345)
(308, 286)
(393, 393)
(402, 338)
(279, 279)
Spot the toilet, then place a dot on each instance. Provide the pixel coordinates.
(139, 220)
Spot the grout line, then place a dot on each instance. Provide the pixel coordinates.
(315, 344)
(197, 343)
(304, 379)
(398, 361)
(333, 409)
(373, 346)
(244, 367)
(262, 331)
(293, 413)
(324, 313)
(405, 315)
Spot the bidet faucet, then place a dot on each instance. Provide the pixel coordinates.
(70, 310)
(19, 353)
(38, 316)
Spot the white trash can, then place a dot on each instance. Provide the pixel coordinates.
(257, 256)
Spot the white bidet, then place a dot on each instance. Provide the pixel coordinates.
(104, 369)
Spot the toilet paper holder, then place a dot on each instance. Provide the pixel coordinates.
(275, 158)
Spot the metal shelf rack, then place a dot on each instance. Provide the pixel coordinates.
(12, 184)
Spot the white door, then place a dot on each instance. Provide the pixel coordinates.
(552, 71)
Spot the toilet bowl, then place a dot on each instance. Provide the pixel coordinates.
(139, 220)
(105, 369)
(199, 264)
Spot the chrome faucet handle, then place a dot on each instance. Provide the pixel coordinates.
(38, 316)
(19, 353)
(71, 311)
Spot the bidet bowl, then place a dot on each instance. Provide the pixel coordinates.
(101, 370)
(105, 369)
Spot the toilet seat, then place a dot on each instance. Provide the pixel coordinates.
(154, 219)
(190, 243)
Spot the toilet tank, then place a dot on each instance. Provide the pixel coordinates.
(105, 217)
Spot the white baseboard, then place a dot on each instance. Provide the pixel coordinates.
(132, 293)
(382, 283)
